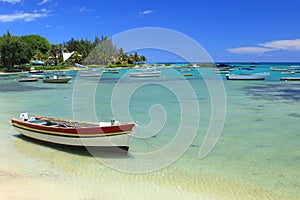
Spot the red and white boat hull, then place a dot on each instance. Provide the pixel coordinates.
(109, 136)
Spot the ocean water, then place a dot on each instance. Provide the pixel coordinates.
(256, 155)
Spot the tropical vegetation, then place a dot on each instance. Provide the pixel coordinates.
(21, 52)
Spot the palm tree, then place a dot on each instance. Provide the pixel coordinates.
(143, 59)
(38, 55)
(121, 57)
(76, 58)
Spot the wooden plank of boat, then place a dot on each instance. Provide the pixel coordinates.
(28, 79)
(290, 78)
(74, 133)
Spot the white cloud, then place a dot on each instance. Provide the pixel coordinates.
(44, 10)
(43, 2)
(11, 1)
(23, 16)
(84, 9)
(250, 50)
(146, 12)
(290, 45)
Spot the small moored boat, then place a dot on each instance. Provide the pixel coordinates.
(290, 78)
(277, 69)
(89, 74)
(254, 76)
(57, 79)
(40, 76)
(28, 79)
(187, 74)
(111, 71)
(75, 133)
(288, 72)
(34, 71)
(5, 74)
(146, 72)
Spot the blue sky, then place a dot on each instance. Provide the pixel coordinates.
(229, 30)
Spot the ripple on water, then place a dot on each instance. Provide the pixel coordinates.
(274, 91)
(18, 87)
(294, 114)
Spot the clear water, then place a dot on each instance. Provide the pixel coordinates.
(256, 157)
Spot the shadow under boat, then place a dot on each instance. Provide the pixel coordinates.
(101, 152)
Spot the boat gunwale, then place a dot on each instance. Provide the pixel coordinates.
(74, 131)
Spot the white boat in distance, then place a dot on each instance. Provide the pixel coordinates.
(146, 72)
(89, 74)
(254, 76)
(57, 79)
(277, 69)
(111, 70)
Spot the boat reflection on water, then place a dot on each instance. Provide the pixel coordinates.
(146, 72)
(61, 156)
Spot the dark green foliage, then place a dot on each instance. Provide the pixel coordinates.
(83, 47)
(18, 51)
(55, 54)
(13, 51)
(36, 43)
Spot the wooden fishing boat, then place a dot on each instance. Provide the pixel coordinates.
(187, 74)
(75, 133)
(89, 74)
(5, 74)
(254, 76)
(277, 69)
(56, 79)
(40, 76)
(111, 71)
(288, 72)
(146, 72)
(28, 79)
(290, 78)
(34, 71)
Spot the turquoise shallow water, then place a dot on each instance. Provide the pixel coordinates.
(257, 155)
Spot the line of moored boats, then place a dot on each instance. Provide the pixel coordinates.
(34, 76)
(247, 73)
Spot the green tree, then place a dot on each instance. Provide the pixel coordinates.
(82, 46)
(72, 45)
(121, 57)
(143, 59)
(38, 55)
(12, 51)
(55, 53)
(36, 44)
(76, 58)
